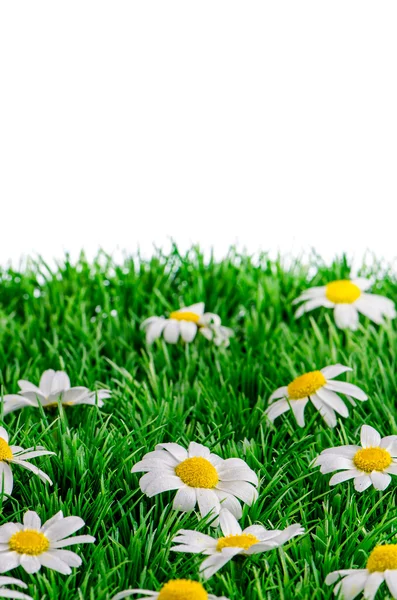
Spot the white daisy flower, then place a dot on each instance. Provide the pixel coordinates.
(175, 589)
(381, 566)
(185, 323)
(252, 540)
(347, 298)
(372, 463)
(54, 387)
(32, 545)
(200, 477)
(15, 455)
(320, 388)
(6, 593)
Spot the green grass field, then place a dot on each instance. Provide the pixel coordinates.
(84, 318)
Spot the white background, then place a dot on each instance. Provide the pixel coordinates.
(125, 123)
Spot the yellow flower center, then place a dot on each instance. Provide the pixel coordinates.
(5, 450)
(243, 540)
(342, 292)
(305, 385)
(185, 316)
(182, 589)
(383, 558)
(30, 542)
(372, 459)
(197, 472)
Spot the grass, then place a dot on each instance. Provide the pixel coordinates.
(84, 318)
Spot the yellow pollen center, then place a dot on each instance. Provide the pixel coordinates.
(197, 472)
(30, 542)
(182, 589)
(5, 450)
(185, 316)
(383, 558)
(305, 385)
(372, 459)
(342, 292)
(243, 540)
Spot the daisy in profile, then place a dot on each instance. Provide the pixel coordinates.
(381, 567)
(175, 589)
(31, 545)
(320, 388)
(15, 455)
(185, 323)
(54, 387)
(7, 593)
(347, 298)
(372, 463)
(235, 541)
(199, 477)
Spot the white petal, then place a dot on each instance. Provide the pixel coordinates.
(353, 584)
(70, 558)
(213, 563)
(51, 561)
(60, 383)
(31, 564)
(230, 502)
(185, 499)
(310, 294)
(7, 530)
(241, 489)
(298, 408)
(345, 451)
(325, 411)
(373, 582)
(276, 409)
(57, 517)
(198, 450)
(26, 386)
(333, 400)
(63, 528)
(334, 371)
(6, 478)
(171, 331)
(126, 593)
(174, 449)
(26, 465)
(362, 283)
(208, 502)
(311, 305)
(346, 388)
(3, 434)
(155, 330)
(362, 483)
(370, 438)
(197, 309)
(344, 476)
(228, 523)
(370, 309)
(281, 392)
(152, 484)
(188, 331)
(46, 382)
(9, 561)
(389, 443)
(391, 580)
(379, 480)
(73, 541)
(31, 520)
(346, 316)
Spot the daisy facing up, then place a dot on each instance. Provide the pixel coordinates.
(347, 298)
(320, 388)
(184, 323)
(15, 455)
(6, 593)
(175, 589)
(54, 387)
(199, 477)
(381, 567)
(32, 545)
(372, 463)
(252, 540)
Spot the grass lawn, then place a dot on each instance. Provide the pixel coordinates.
(84, 318)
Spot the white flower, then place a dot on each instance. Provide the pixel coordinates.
(320, 388)
(175, 589)
(200, 477)
(5, 593)
(347, 298)
(32, 546)
(15, 455)
(185, 323)
(54, 387)
(372, 463)
(381, 566)
(252, 540)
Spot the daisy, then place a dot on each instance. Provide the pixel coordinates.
(381, 566)
(200, 477)
(185, 323)
(372, 463)
(347, 298)
(32, 546)
(5, 593)
(175, 589)
(15, 455)
(54, 387)
(252, 540)
(320, 388)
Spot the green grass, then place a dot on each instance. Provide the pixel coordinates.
(197, 392)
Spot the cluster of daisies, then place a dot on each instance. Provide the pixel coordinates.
(217, 486)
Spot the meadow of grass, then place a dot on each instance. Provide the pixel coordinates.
(84, 318)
